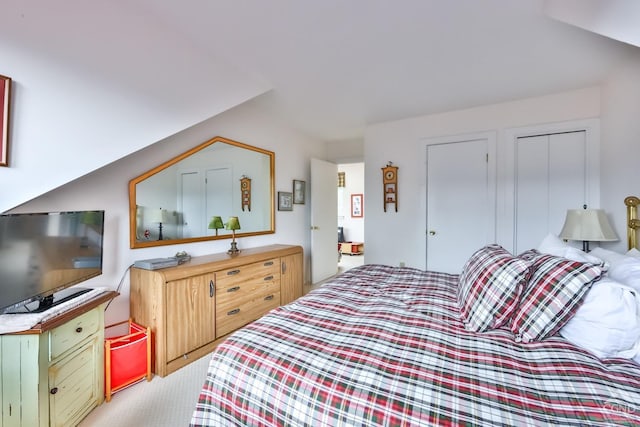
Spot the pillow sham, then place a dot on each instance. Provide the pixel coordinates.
(634, 253)
(554, 245)
(489, 287)
(553, 294)
(607, 322)
(621, 268)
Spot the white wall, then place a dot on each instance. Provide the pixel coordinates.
(616, 102)
(354, 184)
(85, 94)
(107, 189)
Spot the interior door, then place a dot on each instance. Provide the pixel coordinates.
(460, 202)
(551, 175)
(324, 220)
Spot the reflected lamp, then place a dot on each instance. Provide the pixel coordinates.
(158, 216)
(216, 224)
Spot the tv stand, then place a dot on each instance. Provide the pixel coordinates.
(53, 373)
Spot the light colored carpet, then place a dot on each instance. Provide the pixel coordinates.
(168, 401)
(161, 402)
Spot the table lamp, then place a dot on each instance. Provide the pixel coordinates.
(588, 225)
(233, 224)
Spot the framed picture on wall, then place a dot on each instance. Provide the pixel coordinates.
(5, 102)
(285, 201)
(356, 206)
(298, 192)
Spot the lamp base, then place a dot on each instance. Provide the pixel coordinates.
(234, 249)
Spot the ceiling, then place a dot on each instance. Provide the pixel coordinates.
(336, 66)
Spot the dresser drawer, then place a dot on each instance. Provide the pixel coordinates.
(232, 317)
(251, 288)
(255, 272)
(74, 331)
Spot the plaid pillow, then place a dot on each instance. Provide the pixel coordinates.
(489, 287)
(554, 293)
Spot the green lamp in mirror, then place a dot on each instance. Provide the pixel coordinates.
(216, 224)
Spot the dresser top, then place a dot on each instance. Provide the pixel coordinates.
(202, 264)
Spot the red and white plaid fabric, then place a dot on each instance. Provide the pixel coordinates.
(553, 295)
(489, 287)
(383, 346)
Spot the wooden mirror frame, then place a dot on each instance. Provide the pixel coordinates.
(136, 244)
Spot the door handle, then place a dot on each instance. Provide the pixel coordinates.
(432, 232)
(315, 227)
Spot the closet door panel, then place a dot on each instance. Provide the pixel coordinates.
(550, 178)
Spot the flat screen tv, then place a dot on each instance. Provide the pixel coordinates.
(43, 254)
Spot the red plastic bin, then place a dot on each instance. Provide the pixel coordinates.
(127, 358)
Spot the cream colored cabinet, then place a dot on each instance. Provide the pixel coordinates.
(52, 375)
(194, 306)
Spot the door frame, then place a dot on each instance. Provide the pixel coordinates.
(506, 212)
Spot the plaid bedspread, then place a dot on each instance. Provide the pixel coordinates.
(384, 346)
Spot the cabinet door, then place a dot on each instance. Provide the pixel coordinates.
(75, 384)
(190, 314)
(291, 278)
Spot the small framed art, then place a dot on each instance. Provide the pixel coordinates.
(285, 201)
(356, 206)
(298, 192)
(5, 103)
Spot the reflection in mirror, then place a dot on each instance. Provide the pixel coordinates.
(177, 201)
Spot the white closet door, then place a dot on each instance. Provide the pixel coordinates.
(550, 178)
(460, 202)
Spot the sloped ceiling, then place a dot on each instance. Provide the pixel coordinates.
(102, 79)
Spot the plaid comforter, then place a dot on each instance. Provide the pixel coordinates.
(385, 346)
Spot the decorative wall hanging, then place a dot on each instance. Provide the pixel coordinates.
(5, 103)
(390, 186)
(356, 206)
(285, 201)
(298, 192)
(245, 190)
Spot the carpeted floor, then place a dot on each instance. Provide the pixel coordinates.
(168, 401)
(161, 402)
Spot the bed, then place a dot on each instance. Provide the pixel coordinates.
(392, 346)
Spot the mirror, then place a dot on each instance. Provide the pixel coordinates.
(175, 202)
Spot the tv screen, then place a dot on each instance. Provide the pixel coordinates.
(42, 254)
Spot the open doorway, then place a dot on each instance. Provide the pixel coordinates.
(351, 245)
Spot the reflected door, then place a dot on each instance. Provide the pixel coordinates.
(219, 196)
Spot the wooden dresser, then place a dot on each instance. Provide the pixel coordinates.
(194, 306)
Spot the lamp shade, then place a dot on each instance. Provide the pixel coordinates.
(158, 215)
(233, 223)
(590, 225)
(216, 223)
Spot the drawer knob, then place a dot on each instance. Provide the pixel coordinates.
(266, 279)
(268, 263)
(54, 390)
(235, 288)
(268, 298)
(79, 329)
(232, 272)
(232, 312)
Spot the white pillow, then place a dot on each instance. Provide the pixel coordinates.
(553, 245)
(607, 323)
(634, 253)
(622, 268)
